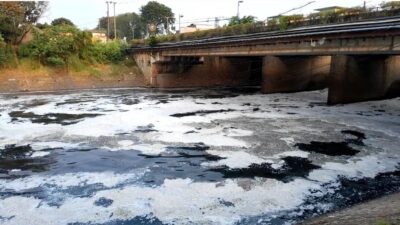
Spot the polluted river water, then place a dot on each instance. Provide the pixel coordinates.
(191, 156)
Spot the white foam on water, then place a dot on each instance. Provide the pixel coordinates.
(242, 159)
(176, 201)
(169, 129)
(211, 139)
(39, 154)
(37, 146)
(184, 201)
(22, 132)
(63, 181)
(235, 159)
(147, 149)
(289, 140)
(358, 167)
(238, 132)
(301, 154)
(125, 144)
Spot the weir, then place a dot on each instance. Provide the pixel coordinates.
(355, 61)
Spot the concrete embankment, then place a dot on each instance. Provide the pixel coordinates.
(19, 81)
(382, 211)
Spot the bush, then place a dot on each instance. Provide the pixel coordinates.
(152, 41)
(114, 51)
(2, 51)
(64, 45)
(136, 42)
(6, 54)
(283, 22)
(55, 61)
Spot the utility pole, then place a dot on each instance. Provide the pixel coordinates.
(179, 19)
(167, 24)
(115, 23)
(238, 7)
(108, 19)
(216, 22)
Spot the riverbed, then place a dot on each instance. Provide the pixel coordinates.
(191, 156)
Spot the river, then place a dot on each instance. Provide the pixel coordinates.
(191, 156)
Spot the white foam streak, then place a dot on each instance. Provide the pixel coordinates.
(176, 201)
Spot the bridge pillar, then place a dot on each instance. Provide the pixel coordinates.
(363, 78)
(295, 73)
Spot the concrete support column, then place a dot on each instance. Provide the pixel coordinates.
(363, 78)
(295, 73)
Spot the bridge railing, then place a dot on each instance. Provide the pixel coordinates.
(281, 23)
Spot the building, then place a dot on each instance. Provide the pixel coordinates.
(99, 36)
(331, 9)
(193, 28)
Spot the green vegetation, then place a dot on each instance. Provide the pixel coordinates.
(248, 24)
(155, 18)
(244, 20)
(390, 5)
(129, 26)
(61, 45)
(65, 45)
(17, 18)
(62, 21)
(157, 15)
(3, 52)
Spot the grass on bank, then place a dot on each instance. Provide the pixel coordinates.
(28, 66)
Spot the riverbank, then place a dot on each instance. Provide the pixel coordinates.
(382, 211)
(49, 79)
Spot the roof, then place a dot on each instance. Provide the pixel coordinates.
(274, 17)
(330, 8)
(97, 31)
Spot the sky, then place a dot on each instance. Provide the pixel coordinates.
(85, 13)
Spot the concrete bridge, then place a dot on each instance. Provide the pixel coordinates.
(356, 61)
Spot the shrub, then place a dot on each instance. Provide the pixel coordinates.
(152, 41)
(2, 51)
(64, 45)
(55, 61)
(114, 51)
(6, 54)
(283, 22)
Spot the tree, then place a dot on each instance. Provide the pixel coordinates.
(245, 20)
(129, 25)
(158, 15)
(390, 5)
(16, 18)
(62, 21)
